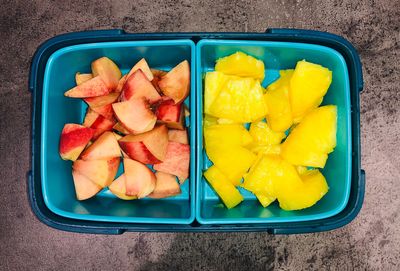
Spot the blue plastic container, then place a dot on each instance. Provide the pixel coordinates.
(278, 56)
(50, 177)
(57, 184)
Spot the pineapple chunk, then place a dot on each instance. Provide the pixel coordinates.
(313, 189)
(266, 149)
(209, 120)
(233, 161)
(213, 83)
(263, 135)
(240, 100)
(240, 64)
(277, 100)
(265, 200)
(308, 85)
(309, 143)
(271, 176)
(226, 134)
(228, 193)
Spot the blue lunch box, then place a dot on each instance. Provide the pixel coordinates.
(50, 186)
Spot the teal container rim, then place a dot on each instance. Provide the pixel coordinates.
(199, 133)
(44, 114)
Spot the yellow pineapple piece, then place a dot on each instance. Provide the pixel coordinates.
(266, 149)
(301, 170)
(240, 100)
(226, 134)
(264, 135)
(240, 64)
(228, 193)
(265, 200)
(213, 83)
(271, 176)
(313, 189)
(308, 85)
(277, 100)
(310, 142)
(225, 121)
(209, 120)
(233, 161)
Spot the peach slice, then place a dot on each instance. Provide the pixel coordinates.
(166, 186)
(90, 117)
(171, 114)
(107, 70)
(105, 147)
(118, 188)
(120, 128)
(135, 115)
(140, 181)
(84, 187)
(149, 147)
(102, 100)
(81, 78)
(142, 65)
(137, 86)
(105, 110)
(91, 88)
(101, 124)
(157, 74)
(176, 161)
(73, 140)
(101, 172)
(176, 83)
(179, 136)
(121, 83)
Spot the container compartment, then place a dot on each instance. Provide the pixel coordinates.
(57, 184)
(277, 56)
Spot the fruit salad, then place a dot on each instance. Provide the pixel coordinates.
(137, 119)
(273, 141)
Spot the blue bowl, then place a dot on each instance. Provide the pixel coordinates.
(57, 184)
(277, 56)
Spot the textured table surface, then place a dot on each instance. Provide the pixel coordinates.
(370, 242)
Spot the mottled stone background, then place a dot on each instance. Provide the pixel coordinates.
(370, 242)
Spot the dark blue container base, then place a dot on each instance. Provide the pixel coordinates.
(284, 35)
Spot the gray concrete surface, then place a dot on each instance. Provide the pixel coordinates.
(370, 242)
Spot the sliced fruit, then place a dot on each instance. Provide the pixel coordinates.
(176, 83)
(100, 125)
(91, 88)
(228, 193)
(149, 147)
(138, 86)
(179, 136)
(157, 75)
(118, 188)
(135, 115)
(102, 100)
(209, 120)
(240, 64)
(233, 161)
(263, 134)
(81, 78)
(277, 99)
(265, 200)
(310, 142)
(117, 136)
(90, 117)
(73, 140)
(226, 134)
(176, 161)
(240, 100)
(171, 114)
(308, 85)
(121, 83)
(140, 181)
(266, 149)
(101, 172)
(213, 83)
(107, 70)
(271, 176)
(313, 189)
(105, 147)
(142, 65)
(84, 187)
(166, 186)
(105, 110)
(120, 128)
